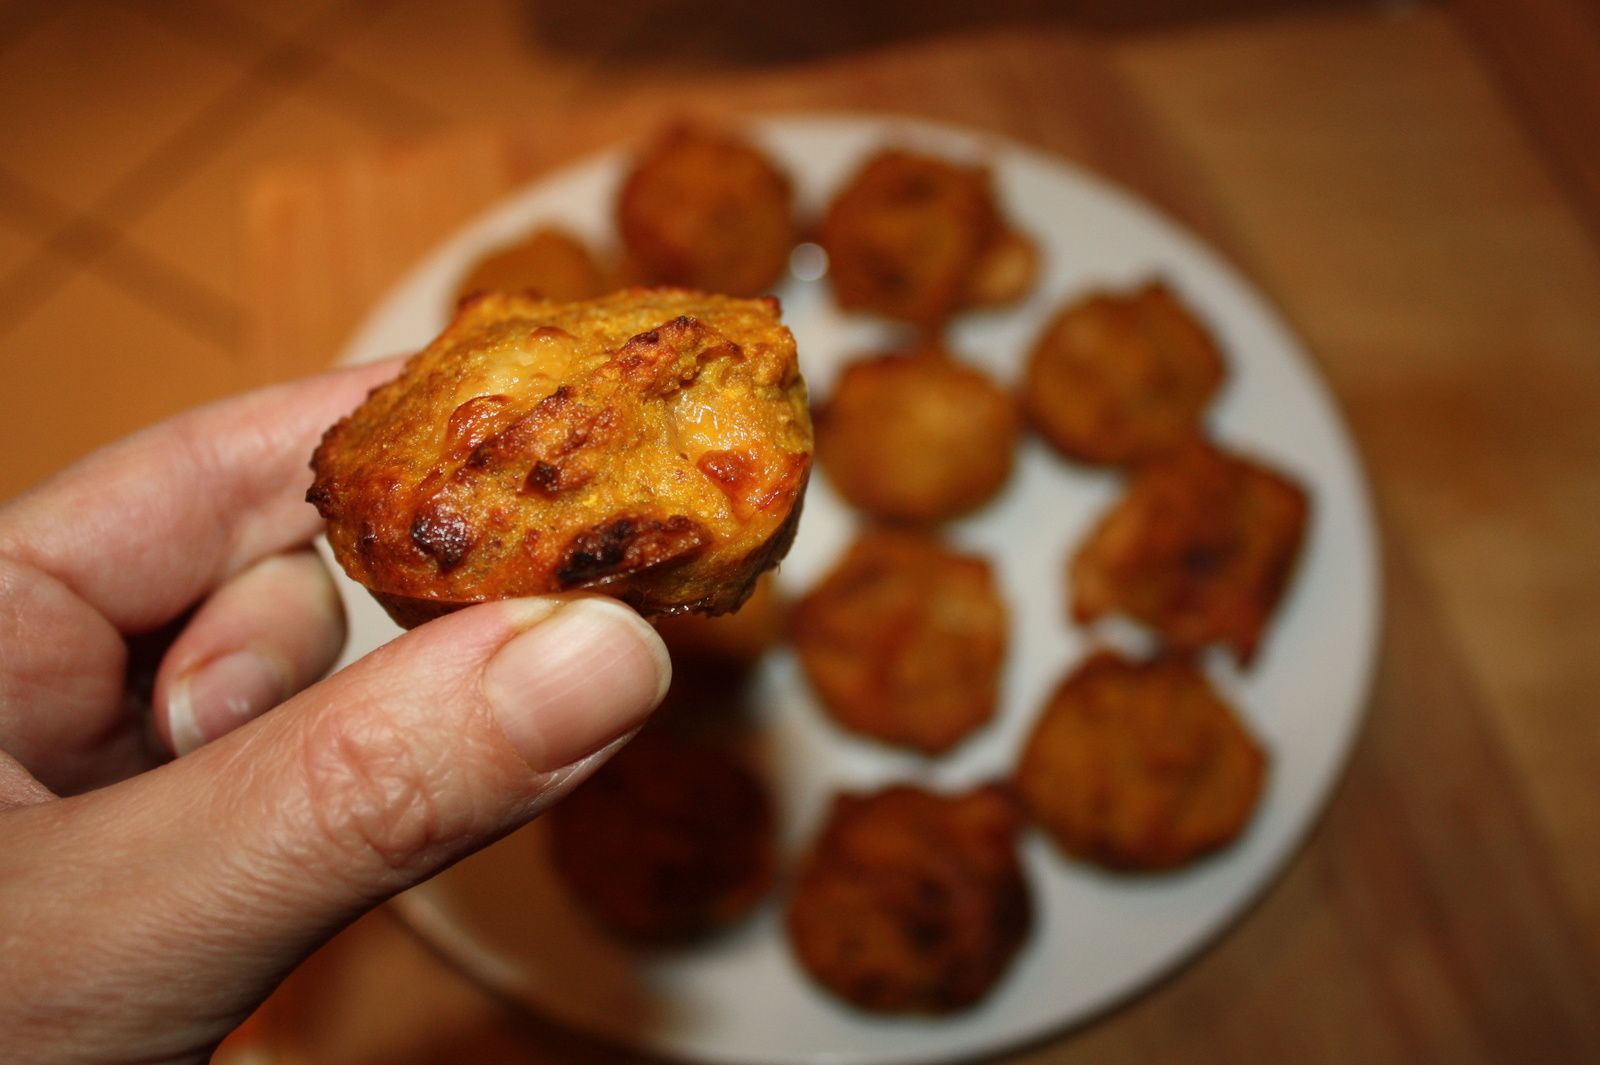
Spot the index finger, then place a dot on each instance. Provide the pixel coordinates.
(144, 528)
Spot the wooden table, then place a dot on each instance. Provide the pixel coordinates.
(1366, 172)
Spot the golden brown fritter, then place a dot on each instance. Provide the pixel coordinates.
(916, 437)
(671, 839)
(1200, 548)
(549, 262)
(904, 640)
(1140, 766)
(707, 209)
(733, 639)
(917, 238)
(1117, 379)
(912, 902)
(652, 445)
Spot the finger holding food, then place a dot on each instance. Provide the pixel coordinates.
(903, 641)
(911, 901)
(1140, 765)
(1200, 548)
(653, 445)
(916, 436)
(1115, 379)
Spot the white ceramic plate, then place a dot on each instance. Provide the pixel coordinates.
(1099, 938)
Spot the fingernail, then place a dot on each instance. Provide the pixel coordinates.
(222, 695)
(584, 675)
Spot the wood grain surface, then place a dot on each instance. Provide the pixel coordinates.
(1364, 170)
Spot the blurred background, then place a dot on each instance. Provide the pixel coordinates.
(198, 196)
(140, 139)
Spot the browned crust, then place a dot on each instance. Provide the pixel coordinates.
(918, 238)
(1200, 547)
(540, 447)
(730, 642)
(1140, 766)
(409, 612)
(910, 901)
(1120, 378)
(917, 436)
(705, 208)
(903, 641)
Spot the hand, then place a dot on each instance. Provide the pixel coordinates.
(145, 915)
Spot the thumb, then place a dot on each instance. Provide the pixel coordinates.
(189, 891)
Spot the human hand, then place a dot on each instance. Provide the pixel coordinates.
(145, 914)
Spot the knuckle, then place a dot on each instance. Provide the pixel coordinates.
(372, 794)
